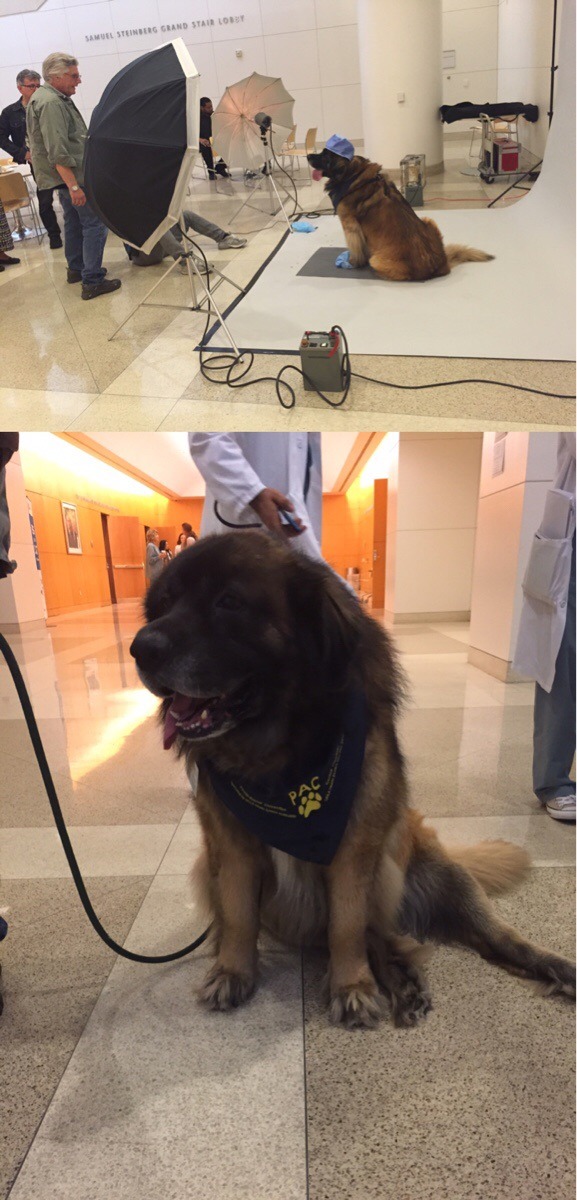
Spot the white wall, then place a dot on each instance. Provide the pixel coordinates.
(431, 521)
(502, 47)
(525, 43)
(312, 44)
(510, 509)
(470, 28)
(503, 52)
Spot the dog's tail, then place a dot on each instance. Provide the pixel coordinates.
(463, 254)
(497, 866)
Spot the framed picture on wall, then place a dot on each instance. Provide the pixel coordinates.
(71, 528)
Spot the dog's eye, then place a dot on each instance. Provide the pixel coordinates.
(230, 602)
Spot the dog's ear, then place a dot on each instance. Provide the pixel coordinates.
(328, 620)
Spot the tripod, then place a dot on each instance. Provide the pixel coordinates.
(272, 187)
(194, 276)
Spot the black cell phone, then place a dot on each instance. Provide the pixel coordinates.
(290, 520)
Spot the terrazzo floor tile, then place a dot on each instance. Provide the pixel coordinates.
(476, 1103)
(100, 849)
(483, 404)
(164, 1099)
(548, 842)
(108, 795)
(54, 967)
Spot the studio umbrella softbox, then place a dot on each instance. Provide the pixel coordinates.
(141, 145)
(236, 132)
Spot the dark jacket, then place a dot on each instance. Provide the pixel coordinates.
(205, 130)
(13, 131)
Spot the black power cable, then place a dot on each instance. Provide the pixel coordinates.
(227, 362)
(36, 740)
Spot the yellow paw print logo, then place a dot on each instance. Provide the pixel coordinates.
(310, 803)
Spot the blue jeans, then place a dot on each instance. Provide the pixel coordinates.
(554, 716)
(84, 240)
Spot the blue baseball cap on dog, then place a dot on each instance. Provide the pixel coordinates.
(341, 146)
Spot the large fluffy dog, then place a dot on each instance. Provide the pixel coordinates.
(269, 670)
(380, 226)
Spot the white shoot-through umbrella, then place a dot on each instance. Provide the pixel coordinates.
(235, 136)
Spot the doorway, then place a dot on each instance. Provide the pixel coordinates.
(125, 550)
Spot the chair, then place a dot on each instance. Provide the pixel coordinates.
(289, 144)
(15, 196)
(300, 153)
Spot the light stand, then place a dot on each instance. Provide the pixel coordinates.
(194, 276)
(268, 175)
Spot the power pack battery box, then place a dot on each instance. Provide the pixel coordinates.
(322, 361)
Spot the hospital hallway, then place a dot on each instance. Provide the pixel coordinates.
(115, 1082)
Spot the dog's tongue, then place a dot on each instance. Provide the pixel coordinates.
(180, 706)
(316, 174)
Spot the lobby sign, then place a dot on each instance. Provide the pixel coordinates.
(179, 28)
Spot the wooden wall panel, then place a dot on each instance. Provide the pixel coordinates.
(77, 581)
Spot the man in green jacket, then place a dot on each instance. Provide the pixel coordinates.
(56, 136)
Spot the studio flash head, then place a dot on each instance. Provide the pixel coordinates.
(263, 121)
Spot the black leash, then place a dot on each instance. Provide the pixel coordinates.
(61, 826)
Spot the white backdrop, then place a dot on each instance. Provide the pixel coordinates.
(522, 305)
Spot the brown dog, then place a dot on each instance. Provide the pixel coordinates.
(380, 226)
(283, 691)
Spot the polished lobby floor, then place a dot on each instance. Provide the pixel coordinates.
(59, 371)
(115, 1083)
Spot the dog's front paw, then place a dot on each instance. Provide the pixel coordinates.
(223, 990)
(357, 1006)
(410, 1003)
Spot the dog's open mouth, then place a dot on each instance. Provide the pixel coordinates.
(316, 174)
(196, 717)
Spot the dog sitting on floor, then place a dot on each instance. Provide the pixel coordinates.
(285, 694)
(381, 228)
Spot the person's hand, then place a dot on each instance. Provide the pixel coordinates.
(78, 198)
(267, 505)
(28, 157)
(204, 142)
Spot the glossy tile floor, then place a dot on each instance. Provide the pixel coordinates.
(59, 370)
(115, 1083)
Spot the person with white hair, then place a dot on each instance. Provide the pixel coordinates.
(56, 137)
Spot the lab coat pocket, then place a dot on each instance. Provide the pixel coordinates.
(547, 574)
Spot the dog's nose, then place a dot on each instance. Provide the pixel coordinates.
(150, 648)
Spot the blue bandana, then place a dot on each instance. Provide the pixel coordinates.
(304, 817)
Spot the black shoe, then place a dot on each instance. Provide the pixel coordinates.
(9, 262)
(56, 242)
(73, 276)
(90, 292)
(1, 268)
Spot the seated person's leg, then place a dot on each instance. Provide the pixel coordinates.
(224, 240)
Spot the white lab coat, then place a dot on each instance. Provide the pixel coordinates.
(237, 466)
(543, 622)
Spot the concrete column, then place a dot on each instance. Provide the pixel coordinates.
(400, 45)
(516, 472)
(21, 595)
(431, 518)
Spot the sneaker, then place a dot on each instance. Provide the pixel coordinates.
(198, 262)
(90, 292)
(56, 242)
(562, 808)
(230, 242)
(73, 276)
